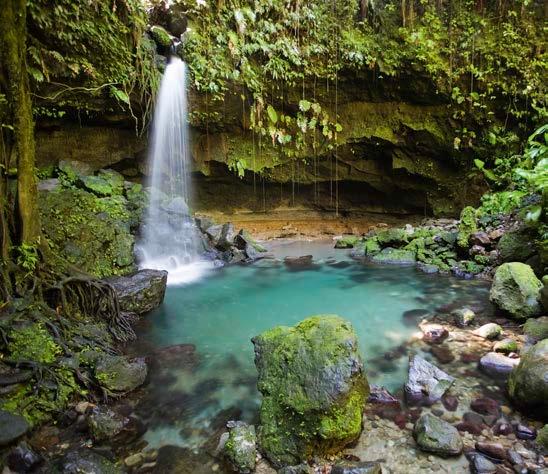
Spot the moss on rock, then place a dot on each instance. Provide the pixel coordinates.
(516, 290)
(467, 226)
(313, 386)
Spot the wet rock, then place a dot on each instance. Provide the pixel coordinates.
(468, 427)
(442, 354)
(425, 384)
(11, 427)
(412, 316)
(489, 331)
(314, 389)
(85, 461)
(450, 402)
(480, 464)
(381, 396)
(104, 424)
(299, 262)
(141, 292)
(492, 450)
(240, 448)
(118, 374)
(503, 428)
(390, 255)
(514, 457)
(516, 290)
(428, 268)
(23, 459)
(525, 432)
(497, 365)
(536, 328)
(433, 333)
(485, 406)
(298, 469)
(528, 382)
(463, 317)
(356, 467)
(244, 241)
(506, 346)
(434, 435)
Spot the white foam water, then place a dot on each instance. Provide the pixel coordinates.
(170, 240)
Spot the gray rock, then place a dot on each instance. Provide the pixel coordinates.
(221, 236)
(85, 461)
(11, 427)
(104, 424)
(177, 206)
(23, 459)
(489, 331)
(241, 446)
(141, 292)
(463, 317)
(516, 246)
(356, 467)
(536, 329)
(497, 365)
(528, 382)
(119, 374)
(48, 184)
(425, 384)
(434, 435)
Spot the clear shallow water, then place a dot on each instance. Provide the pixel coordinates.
(217, 316)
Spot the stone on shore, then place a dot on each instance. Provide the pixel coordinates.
(240, 448)
(516, 290)
(497, 365)
(536, 328)
(141, 292)
(118, 374)
(314, 389)
(463, 317)
(489, 331)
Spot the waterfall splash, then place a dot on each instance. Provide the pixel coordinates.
(170, 240)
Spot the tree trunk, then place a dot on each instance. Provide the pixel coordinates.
(14, 74)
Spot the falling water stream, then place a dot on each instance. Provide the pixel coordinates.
(170, 240)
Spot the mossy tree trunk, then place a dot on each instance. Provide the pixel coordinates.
(17, 128)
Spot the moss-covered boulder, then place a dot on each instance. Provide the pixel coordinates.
(89, 232)
(528, 382)
(467, 226)
(119, 375)
(544, 292)
(161, 37)
(435, 435)
(516, 246)
(347, 242)
(394, 237)
(314, 389)
(390, 255)
(516, 290)
(241, 446)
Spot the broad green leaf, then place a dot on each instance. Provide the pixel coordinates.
(272, 114)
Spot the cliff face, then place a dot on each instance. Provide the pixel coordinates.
(394, 153)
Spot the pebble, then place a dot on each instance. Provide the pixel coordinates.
(514, 457)
(489, 331)
(485, 406)
(493, 450)
(524, 432)
(134, 460)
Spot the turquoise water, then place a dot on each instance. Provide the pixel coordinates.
(222, 312)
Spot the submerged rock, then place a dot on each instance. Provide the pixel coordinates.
(463, 317)
(12, 427)
(528, 382)
(85, 461)
(516, 290)
(141, 292)
(434, 435)
(426, 384)
(118, 374)
(314, 389)
(356, 467)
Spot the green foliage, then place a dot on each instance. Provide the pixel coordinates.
(27, 257)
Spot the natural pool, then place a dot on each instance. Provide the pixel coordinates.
(216, 317)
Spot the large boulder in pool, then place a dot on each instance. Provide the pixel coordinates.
(141, 292)
(314, 389)
(516, 290)
(528, 382)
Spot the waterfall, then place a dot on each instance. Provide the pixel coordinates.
(169, 237)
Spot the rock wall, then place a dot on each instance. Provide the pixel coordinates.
(395, 153)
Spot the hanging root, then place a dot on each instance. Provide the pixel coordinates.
(98, 299)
